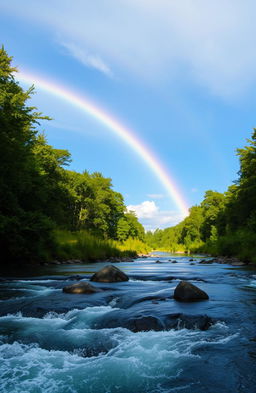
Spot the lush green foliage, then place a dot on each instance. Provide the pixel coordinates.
(47, 210)
(83, 245)
(129, 227)
(24, 229)
(223, 224)
(134, 244)
(39, 198)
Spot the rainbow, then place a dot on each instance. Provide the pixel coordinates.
(115, 126)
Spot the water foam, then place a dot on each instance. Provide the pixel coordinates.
(252, 284)
(147, 360)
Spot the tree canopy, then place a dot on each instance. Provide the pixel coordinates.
(224, 223)
(37, 193)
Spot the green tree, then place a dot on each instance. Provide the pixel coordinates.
(123, 229)
(192, 225)
(53, 195)
(129, 226)
(107, 207)
(245, 196)
(136, 228)
(212, 206)
(23, 229)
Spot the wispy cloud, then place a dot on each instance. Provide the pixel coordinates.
(156, 196)
(87, 59)
(210, 42)
(152, 217)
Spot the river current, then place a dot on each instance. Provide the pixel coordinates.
(53, 342)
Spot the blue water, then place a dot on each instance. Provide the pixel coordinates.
(56, 342)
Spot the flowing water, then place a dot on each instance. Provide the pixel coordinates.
(51, 341)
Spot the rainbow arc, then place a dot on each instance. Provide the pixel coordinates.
(115, 126)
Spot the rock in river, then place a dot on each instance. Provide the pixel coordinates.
(81, 287)
(109, 273)
(145, 323)
(189, 292)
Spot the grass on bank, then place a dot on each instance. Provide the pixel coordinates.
(177, 248)
(134, 245)
(85, 246)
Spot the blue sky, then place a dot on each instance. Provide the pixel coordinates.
(181, 74)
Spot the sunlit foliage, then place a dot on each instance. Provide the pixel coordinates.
(39, 196)
(223, 224)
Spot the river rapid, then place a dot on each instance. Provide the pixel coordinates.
(53, 342)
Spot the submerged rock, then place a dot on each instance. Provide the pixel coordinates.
(109, 273)
(238, 263)
(81, 287)
(229, 260)
(136, 323)
(119, 259)
(183, 321)
(172, 321)
(206, 261)
(145, 323)
(56, 263)
(186, 291)
(74, 277)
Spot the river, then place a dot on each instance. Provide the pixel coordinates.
(53, 342)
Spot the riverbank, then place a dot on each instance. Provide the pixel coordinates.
(84, 246)
(224, 260)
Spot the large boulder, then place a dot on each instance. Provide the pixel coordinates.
(81, 287)
(109, 273)
(189, 292)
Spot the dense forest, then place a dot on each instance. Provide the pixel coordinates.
(224, 223)
(46, 210)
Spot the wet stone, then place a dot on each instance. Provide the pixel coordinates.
(186, 291)
(81, 288)
(109, 273)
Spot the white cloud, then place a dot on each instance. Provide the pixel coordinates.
(87, 59)
(147, 209)
(209, 42)
(152, 217)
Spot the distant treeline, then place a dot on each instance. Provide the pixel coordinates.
(223, 224)
(42, 204)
